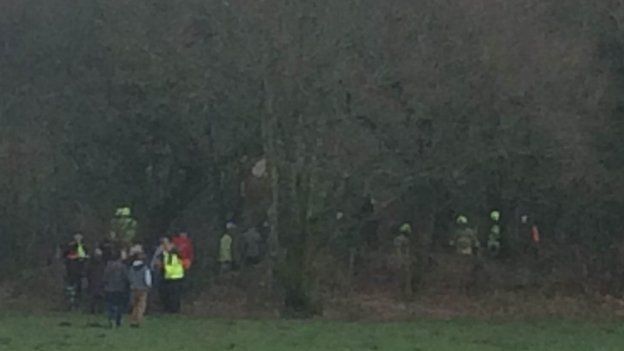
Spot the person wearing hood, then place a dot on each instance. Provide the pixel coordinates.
(140, 278)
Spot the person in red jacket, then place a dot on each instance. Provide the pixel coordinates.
(184, 244)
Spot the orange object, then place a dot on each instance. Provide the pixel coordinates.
(535, 235)
(186, 263)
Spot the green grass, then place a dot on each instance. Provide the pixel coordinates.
(52, 332)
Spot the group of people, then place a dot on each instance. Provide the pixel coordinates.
(119, 274)
(466, 239)
(236, 249)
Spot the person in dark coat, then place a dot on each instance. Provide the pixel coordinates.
(115, 288)
(75, 255)
(95, 279)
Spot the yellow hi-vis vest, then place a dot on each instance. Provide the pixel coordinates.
(173, 266)
(80, 251)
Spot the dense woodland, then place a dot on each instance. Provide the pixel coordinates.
(430, 107)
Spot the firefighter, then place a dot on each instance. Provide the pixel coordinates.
(124, 227)
(494, 237)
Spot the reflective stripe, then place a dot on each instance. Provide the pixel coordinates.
(173, 266)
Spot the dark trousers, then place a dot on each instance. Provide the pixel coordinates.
(172, 294)
(75, 269)
(73, 289)
(75, 280)
(115, 305)
(96, 302)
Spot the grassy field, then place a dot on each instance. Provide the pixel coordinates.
(75, 332)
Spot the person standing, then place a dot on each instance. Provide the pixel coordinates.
(185, 247)
(530, 234)
(225, 249)
(76, 256)
(115, 287)
(140, 278)
(535, 240)
(156, 262)
(465, 238)
(402, 242)
(494, 237)
(402, 245)
(173, 277)
(124, 227)
(467, 245)
(95, 279)
(156, 265)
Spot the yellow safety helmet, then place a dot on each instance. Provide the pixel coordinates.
(123, 212)
(495, 216)
(405, 228)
